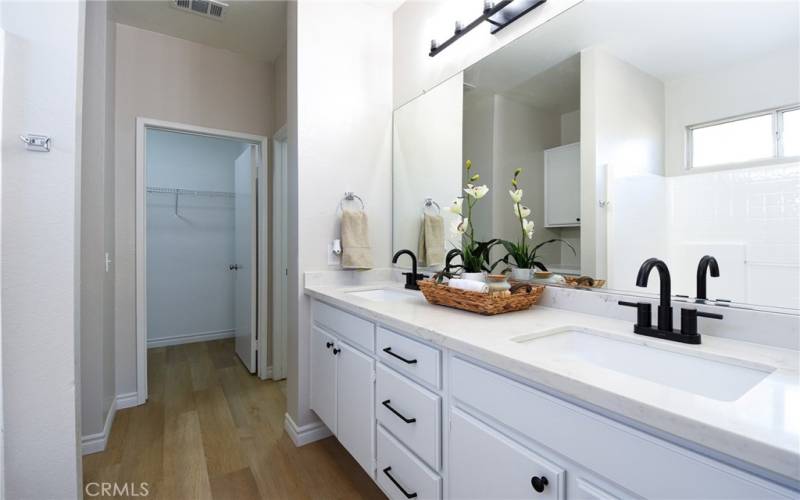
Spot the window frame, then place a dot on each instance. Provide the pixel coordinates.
(777, 141)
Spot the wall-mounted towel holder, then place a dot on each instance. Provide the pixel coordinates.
(430, 203)
(351, 196)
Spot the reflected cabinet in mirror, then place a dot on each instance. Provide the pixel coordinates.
(642, 129)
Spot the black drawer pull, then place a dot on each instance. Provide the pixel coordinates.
(407, 494)
(388, 350)
(406, 420)
(328, 345)
(538, 483)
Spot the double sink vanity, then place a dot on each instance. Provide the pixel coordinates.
(605, 148)
(550, 403)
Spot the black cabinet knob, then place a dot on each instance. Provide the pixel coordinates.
(328, 345)
(538, 483)
(336, 351)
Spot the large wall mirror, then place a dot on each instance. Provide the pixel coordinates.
(643, 129)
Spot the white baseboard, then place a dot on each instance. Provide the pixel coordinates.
(190, 338)
(94, 443)
(306, 434)
(127, 400)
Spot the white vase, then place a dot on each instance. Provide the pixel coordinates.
(521, 274)
(474, 276)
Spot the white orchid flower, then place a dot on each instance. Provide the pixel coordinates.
(456, 206)
(516, 195)
(459, 226)
(521, 211)
(477, 192)
(527, 226)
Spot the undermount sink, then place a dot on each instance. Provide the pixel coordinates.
(705, 377)
(388, 295)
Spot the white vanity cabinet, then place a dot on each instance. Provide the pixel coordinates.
(342, 382)
(594, 456)
(428, 423)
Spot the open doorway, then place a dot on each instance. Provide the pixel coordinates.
(201, 218)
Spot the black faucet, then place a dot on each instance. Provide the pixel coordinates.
(688, 333)
(665, 307)
(706, 263)
(413, 276)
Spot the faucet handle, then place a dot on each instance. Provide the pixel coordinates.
(644, 312)
(689, 319)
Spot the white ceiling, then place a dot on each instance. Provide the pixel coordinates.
(253, 28)
(667, 39)
(556, 89)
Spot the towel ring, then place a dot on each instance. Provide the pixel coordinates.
(350, 196)
(430, 202)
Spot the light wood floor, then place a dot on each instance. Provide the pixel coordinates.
(211, 430)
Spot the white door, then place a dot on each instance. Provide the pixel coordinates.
(245, 257)
(355, 403)
(562, 178)
(323, 377)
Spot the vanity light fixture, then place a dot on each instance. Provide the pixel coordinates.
(495, 14)
(511, 13)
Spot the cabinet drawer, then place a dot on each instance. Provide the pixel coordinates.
(355, 330)
(646, 465)
(409, 356)
(410, 413)
(484, 464)
(401, 475)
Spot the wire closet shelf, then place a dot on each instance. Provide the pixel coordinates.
(177, 193)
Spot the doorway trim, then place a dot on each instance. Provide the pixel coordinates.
(142, 124)
(280, 227)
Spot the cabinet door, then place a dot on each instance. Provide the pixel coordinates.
(355, 394)
(485, 464)
(562, 173)
(323, 377)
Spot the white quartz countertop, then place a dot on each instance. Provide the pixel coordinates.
(760, 428)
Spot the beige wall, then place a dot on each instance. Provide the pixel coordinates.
(279, 91)
(166, 78)
(97, 222)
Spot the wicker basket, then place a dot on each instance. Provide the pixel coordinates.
(481, 303)
(584, 282)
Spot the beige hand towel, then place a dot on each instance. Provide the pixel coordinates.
(356, 252)
(431, 241)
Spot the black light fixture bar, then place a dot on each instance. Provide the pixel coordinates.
(488, 11)
(507, 16)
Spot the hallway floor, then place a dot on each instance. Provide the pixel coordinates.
(210, 430)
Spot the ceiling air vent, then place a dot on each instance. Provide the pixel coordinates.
(206, 8)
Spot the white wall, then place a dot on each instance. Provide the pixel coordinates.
(2, 428)
(417, 22)
(478, 147)
(190, 290)
(340, 119)
(426, 157)
(629, 138)
(40, 248)
(750, 223)
(166, 78)
(764, 83)
(97, 223)
(521, 134)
